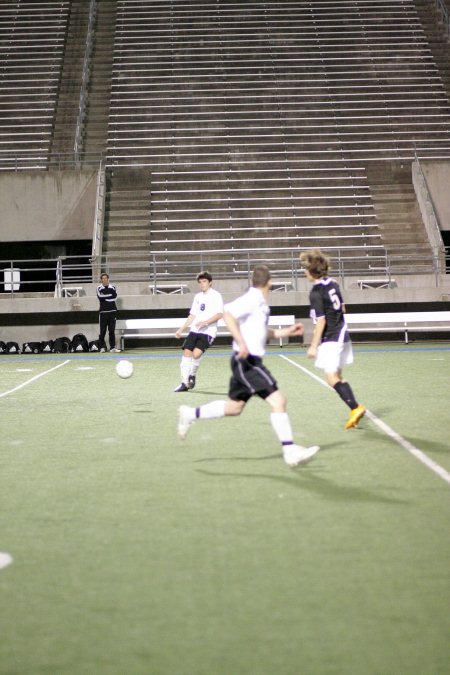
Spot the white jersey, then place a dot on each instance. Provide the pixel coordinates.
(204, 306)
(252, 313)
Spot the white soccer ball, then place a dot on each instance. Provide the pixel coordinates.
(124, 368)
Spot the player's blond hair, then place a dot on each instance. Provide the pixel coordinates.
(316, 262)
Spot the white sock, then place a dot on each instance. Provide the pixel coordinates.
(195, 364)
(185, 368)
(212, 410)
(282, 426)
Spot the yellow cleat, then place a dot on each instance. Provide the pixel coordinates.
(354, 416)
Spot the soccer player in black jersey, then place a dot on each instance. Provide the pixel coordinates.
(330, 346)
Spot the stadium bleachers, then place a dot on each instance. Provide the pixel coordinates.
(259, 121)
(234, 126)
(32, 39)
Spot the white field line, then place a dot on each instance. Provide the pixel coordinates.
(415, 452)
(32, 379)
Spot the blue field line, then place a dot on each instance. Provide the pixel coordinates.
(7, 358)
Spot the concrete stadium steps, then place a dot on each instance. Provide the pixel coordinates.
(127, 220)
(97, 102)
(396, 208)
(99, 90)
(69, 90)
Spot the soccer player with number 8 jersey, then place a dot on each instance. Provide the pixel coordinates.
(330, 346)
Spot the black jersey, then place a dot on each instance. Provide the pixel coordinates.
(326, 300)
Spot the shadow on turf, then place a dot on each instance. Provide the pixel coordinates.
(223, 458)
(305, 480)
(209, 393)
(422, 443)
(430, 446)
(237, 459)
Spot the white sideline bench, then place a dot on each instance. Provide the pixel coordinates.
(395, 322)
(69, 291)
(166, 328)
(384, 282)
(168, 289)
(281, 286)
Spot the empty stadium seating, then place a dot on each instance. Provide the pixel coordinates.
(235, 126)
(259, 120)
(32, 39)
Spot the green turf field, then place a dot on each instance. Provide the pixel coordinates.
(137, 553)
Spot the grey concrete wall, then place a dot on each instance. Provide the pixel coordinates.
(47, 206)
(437, 174)
(420, 289)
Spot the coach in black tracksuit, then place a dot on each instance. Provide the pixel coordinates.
(107, 294)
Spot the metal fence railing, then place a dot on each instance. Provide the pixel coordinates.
(37, 159)
(53, 276)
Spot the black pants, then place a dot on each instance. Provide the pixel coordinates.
(107, 322)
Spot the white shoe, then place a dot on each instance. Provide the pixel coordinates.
(102, 350)
(296, 454)
(185, 419)
(115, 350)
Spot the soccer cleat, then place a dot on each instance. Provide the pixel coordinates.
(354, 417)
(102, 350)
(191, 382)
(115, 350)
(181, 387)
(185, 419)
(296, 454)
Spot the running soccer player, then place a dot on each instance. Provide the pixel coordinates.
(205, 312)
(331, 346)
(247, 319)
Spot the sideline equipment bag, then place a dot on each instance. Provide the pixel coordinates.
(48, 346)
(62, 345)
(94, 346)
(2, 347)
(80, 343)
(31, 348)
(12, 348)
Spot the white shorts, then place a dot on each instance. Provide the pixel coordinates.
(333, 356)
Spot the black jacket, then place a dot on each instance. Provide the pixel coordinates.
(107, 296)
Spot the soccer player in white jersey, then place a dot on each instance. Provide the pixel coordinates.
(205, 312)
(330, 346)
(247, 319)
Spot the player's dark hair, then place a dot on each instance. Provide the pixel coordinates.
(316, 262)
(204, 275)
(260, 277)
(104, 274)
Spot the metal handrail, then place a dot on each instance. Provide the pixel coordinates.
(429, 215)
(85, 81)
(443, 12)
(97, 235)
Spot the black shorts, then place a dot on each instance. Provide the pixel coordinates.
(250, 377)
(197, 341)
